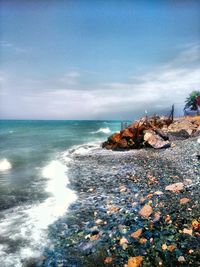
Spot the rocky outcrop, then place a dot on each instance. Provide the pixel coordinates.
(155, 132)
(154, 140)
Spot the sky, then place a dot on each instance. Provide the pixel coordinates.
(97, 59)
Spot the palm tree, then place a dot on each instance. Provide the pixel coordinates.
(191, 100)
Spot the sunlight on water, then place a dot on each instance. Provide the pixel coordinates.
(5, 165)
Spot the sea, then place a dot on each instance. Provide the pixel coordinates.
(34, 185)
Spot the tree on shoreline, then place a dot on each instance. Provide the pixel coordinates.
(191, 100)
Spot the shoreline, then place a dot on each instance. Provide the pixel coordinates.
(100, 226)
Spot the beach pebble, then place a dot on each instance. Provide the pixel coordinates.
(146, 211)
(137, 233)
(184, 200)
(181, 259)
(176, 187)
(135, 261)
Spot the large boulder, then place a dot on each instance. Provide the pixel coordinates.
(154, 140)
(115, 138)
(127, 133)
(181, 129)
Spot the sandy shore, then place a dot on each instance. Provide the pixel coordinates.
(126, 209)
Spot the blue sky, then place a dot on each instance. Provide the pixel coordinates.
(97, 59)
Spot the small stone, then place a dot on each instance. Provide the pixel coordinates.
(91, 190)
(167, 219)
(135, 261)
(99, 221)
(142, 200)
(113, 209)
(143, 241)
(95, 213)
(158, 193)
(94, 237)
(108, 260)
(187, 181)
(124, 246)
(123, 241)
(122, 189)
(176, 187)
(187, 231)
(171, 247)
(157, 216)
(146, 211)
(181, 259)
(164, 247)
(195, 224)
(150, 195)
(137, 233)
(184, 200)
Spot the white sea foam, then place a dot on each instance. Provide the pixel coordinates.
(102, 130)
(81, 149)
(31, 222)
(5, 165)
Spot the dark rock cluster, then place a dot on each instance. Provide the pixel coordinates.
(156, 132)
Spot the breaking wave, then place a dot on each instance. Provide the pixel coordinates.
(102, 130)
(28, 224)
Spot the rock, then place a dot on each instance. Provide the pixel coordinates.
(176, 187)
(108, 260)
(123, 241)
(154, 132)
(122, 188)
(181, 259)
(146, 211)
(187, 231)
(123, 144)
(187, 181)
(195, 225)
(182, 128)
(99, 221)
(154, 140)
(135, 261)
(164, 247)
(115, 138)
(137, 233)
(127, 133)
(168, 219)
(143, 240)
(158, 193)
(113, 209)
(157, 216)
(171, 247)
(92, 190)
(184, 200)
(94, 237)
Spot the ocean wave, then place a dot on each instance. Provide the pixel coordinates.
(30, 223)
(81, 149)
(102, 130)
(5, 165)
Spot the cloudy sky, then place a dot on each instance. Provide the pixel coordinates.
(97, 59)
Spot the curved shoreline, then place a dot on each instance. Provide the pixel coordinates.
(112, 189)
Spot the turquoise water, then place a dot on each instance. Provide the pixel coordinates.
(33, 179)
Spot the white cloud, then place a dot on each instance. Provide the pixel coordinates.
(71, 78)
(66, 98)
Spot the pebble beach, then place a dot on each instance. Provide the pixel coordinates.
(134, 208)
